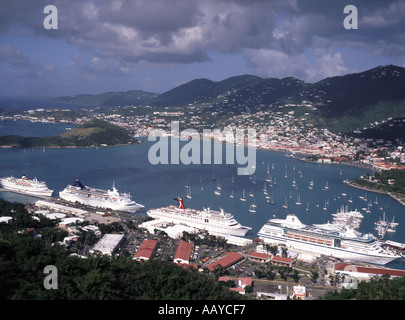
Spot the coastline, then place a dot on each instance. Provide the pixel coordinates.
(394, 196)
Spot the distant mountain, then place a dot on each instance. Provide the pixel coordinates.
(108, 99)
(341, 104)
(202, 91)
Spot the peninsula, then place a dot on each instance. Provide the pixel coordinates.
(94, 133)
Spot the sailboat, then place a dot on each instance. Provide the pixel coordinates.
(268, 176)
(218, 191)
(232, 195)
(298, 203)
(307, 208)
(270, 200)
(326, 188)
(254, 179)
(243, 196)
(285, 206)
(189, 192)
(311, 184)
(265, 188)
(392, 225)
(251, 194)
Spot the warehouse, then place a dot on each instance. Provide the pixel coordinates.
(146, 250)
(228, 260)
(183, 252)
(108, 244)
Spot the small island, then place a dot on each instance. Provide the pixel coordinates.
(94, 133)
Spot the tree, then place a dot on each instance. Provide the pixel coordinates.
(314, 276)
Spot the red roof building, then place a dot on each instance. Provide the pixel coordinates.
(146, 250)
(259, 257)
(183, 252)
(366, 272)
(281, 261)
(229, 259)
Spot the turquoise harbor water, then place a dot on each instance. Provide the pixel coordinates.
(156, 185)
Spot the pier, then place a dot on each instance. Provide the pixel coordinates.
(385, 231)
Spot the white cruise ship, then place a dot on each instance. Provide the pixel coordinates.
(110, 199)
(326, 240)
(206, 219)
(26, 186)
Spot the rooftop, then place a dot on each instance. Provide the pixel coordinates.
(146, 250)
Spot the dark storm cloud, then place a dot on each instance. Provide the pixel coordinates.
(125, 32)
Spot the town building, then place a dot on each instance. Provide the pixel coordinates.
(227, 260)
(259, 257)
(107, 244)
(364, 273)
(183, 252)
(281, 261)
(146, 250)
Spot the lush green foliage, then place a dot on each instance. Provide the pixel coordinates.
(378, 288)
(132, 97)
(92, 133)
(23, 258)
(397, 175)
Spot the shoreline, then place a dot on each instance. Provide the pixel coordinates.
(351, 184)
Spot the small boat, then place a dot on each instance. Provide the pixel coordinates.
(326, 188)
(189, 192)
(243, 196)
(285, 206)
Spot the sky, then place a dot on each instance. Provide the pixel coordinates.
(156, 45)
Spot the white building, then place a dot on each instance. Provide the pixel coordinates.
(107, 244)
(5, 219)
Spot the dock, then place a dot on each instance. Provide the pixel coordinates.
(385, 231)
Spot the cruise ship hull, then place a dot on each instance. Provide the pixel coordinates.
(28, 187)
(211, 221)
(101, 204)
(98, 198)
(332, 244)
(328, 251)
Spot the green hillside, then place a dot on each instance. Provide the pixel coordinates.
(202, 91)
(132, 97)
(92, 133)
(341, 104)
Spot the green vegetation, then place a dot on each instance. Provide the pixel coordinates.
(90, 134)
(378, 288)
(23, 257)
(132, 97)
(388, 181)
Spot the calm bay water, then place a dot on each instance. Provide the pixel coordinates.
(156, 185)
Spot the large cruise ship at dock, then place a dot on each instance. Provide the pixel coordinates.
(23, 185)
(109, 199)
(347, 244)
(207, 219)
